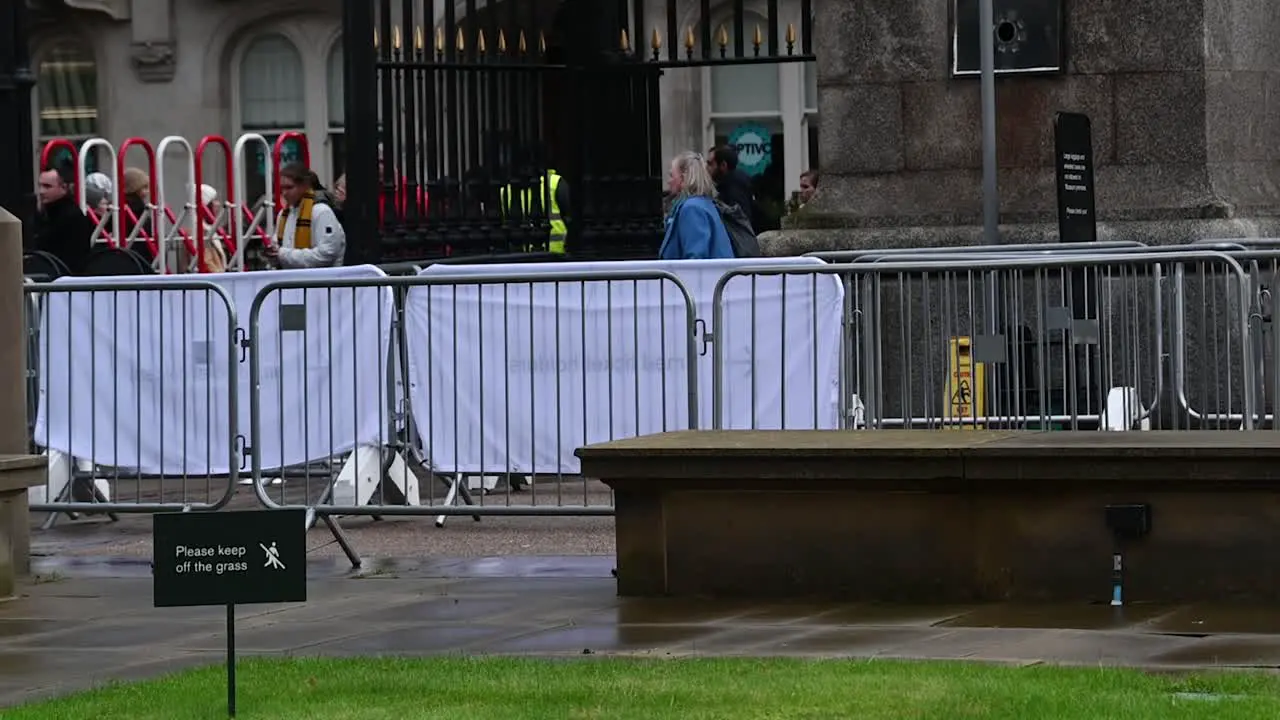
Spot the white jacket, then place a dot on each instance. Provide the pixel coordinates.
(328, 240)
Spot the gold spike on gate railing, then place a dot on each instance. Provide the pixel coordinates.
(460, 41)
(418, 41)
(755, 41)
(521, 45)
(689, 41)
(439, 41)
(655, 43)
(542, 43)
(502, 42)
(791, 37)
(481, 47)
(624, 42)
(375, 38)
(722, 39)
(395, 38)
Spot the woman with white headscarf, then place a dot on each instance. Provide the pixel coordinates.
(97, 193)
(215, 255)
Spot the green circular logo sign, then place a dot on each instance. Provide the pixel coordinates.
(754, 144)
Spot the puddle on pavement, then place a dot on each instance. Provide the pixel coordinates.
(887, 614)
(1068, 617)
(16, 664)
(99, 567)
(17, 628)
(1217, 619)
(1245, 651)
(589, 566)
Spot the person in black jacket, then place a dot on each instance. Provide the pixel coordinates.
(733, 186)
(62, 229)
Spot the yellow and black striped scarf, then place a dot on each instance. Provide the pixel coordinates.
(302, 229)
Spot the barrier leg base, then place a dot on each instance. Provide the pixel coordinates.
(457, 489)
(371, 472)
(344, 542)
(63, 486)
(1124, 411)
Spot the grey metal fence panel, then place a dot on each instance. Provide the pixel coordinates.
(31, 309)
(920, 253)
(136, 395)
(429, 385)
(1070, 341)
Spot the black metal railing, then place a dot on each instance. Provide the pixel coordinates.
(466, 108)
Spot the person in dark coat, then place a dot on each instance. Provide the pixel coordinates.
(733, 186)
(62, 229)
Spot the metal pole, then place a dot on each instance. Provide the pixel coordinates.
(361, 116)
(990, 195)
(17, 184)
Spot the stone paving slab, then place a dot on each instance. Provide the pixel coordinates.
(90, 623)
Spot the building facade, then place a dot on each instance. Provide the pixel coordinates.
(153, 68)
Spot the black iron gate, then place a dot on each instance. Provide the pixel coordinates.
(455, 105)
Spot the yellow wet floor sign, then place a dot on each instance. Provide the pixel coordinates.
(964, 394)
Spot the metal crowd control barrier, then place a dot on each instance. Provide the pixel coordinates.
(1001, 342)
(137, 396)
(1253, 254)
(484, 385)
(31, 310)
(844, 256)
(489, 378)
(1261, 262)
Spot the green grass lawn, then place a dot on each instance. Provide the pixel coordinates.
(474, 689)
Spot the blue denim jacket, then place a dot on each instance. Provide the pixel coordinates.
(695, 232)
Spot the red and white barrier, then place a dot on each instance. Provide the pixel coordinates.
(259, 218)
(176, 233)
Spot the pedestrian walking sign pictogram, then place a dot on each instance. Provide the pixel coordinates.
(273, 556)
(964, 392)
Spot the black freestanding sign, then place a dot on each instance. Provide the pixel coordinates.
(1073, 158)
(229, 558)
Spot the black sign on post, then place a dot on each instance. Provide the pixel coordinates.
(230, 558)
(1073, 158)
(1028, 37)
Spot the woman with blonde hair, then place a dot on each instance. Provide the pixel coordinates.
(694, 228)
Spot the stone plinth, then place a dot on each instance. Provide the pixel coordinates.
(18, 473)
(942, 516)
(1184, 97)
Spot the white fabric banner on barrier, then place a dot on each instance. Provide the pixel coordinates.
(514, 378)
(140, 379)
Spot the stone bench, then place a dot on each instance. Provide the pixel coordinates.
(18, 473)
(945, 516)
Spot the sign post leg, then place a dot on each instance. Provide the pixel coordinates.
(231, 660)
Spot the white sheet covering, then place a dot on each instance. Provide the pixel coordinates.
(140, 379)
(514, 378)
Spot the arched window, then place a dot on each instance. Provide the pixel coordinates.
(67, 94)
(272, 99)
(272, 85)
(337, 115)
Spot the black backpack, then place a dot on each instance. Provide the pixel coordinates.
(741, 236)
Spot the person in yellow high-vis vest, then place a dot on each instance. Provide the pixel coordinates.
(556, 199)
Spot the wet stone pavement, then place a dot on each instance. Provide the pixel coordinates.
(85, 621)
